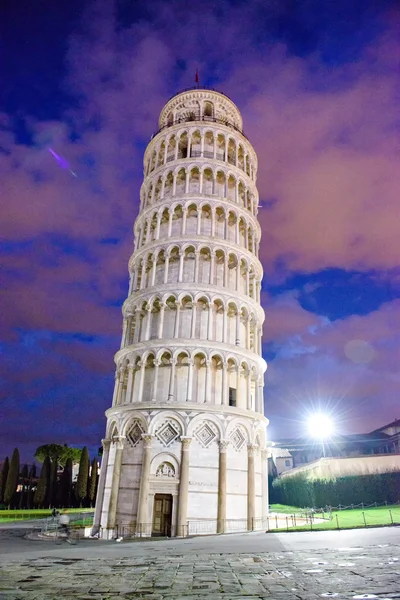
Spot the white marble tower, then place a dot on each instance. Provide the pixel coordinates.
(185, 443)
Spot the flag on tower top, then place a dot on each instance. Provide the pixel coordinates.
(197, 76)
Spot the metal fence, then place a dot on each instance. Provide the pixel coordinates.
(336, 518)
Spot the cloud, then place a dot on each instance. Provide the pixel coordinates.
(312, 367)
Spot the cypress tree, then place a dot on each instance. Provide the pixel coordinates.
(12, 478)
(81, 490)
(65, 486)
(42, 487)
(24, 483)
(31, 477)
(52, 494)
(92, 489)
(3, 478)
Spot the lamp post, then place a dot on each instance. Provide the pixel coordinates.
(321, 427)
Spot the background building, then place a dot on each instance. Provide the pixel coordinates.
(186, 434)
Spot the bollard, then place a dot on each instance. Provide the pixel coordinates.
(276, 521)
(365, 522)
(391, 517)
(287, 524)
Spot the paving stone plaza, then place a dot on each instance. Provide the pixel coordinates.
(157, 571)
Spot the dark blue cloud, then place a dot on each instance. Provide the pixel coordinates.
(336, 293)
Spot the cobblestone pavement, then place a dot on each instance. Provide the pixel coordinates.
(344, 573)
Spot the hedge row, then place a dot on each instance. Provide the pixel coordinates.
(300, 491)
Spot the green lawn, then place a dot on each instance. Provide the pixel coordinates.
(343, 519)
(7, 516)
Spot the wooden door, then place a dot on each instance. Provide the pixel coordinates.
(162, 515)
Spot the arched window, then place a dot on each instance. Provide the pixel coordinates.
(208, 109)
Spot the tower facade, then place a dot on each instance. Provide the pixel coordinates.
(185, 443)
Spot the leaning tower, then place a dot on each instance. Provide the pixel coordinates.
(185, 444)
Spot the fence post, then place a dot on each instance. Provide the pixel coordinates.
(365, 522)
(337, 521)
(391, 517)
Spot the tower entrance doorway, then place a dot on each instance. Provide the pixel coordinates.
(162, 515)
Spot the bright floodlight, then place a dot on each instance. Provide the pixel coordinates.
(320, 426)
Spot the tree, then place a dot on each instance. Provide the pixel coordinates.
(12, 478)
(81, 490)
(73, 453)
(42, 488)
(53, 451)
(31, 477)
(24, 485)
(65, 486)
(3, 478)
(58, 453)
(92, 488)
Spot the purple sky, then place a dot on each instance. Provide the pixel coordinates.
(318, 88)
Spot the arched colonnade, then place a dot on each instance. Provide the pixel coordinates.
(204, 180)
(188, 377)
(196, 263)
(200, 143)
(189, 218)
(192, 317)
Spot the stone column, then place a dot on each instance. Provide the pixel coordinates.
(208, 381)
(184, 219)
(155, 382)
(181, 259)
(225, 325)
(190, 381)
(221, 511)
(248, 391)
(142, 365)
(210, 321)
(170, 223)
(177, 315)
(251, 492)
(142, 513)
(237, 340)
(196, 265)
(225, 397)
(148, 322)
(125, 328)
(116, 387)
(171, 390)
(138, 314)
(100, 489)
(193, 325)
(112, 508)
(226, 267)
(264, 481)
(158, 226)
(166, 267)
(199, 218)
(153, 270)
(161, 322)
(128, 397)
(212, 267)
(183, 486)
(143, 276)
